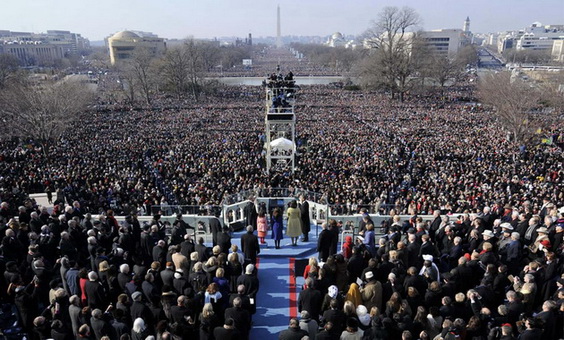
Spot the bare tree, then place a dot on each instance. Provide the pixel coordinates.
(393, 40)
(174, 66)
(466, 56)
(196, 66)
(443, 69)
(139, 74)
(552, 91)
(43, 112)
(9, 66)
(211, 54)
(514, 101)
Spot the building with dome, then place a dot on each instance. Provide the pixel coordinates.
(123, 44)
(336, 40)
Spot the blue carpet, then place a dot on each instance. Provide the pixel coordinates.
(272, 301)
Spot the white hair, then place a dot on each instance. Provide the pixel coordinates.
(124, 268)
(249, 269)
(74, 300)
(92, 276)
(139, 325)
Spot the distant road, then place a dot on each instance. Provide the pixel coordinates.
(82, 78)
(488, 60)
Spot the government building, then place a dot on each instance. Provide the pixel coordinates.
(123, 44)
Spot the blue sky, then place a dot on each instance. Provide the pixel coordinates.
(215, 18)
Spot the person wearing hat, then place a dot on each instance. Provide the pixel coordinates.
(545, 208)
(536, 249)
(430, 269)
(371, 294)
(506, 226)
(504, 240)
(488, 236)
(11, 274)
(139, 309)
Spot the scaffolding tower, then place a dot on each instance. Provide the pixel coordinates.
(280, 123)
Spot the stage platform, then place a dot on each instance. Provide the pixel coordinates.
(302, 250)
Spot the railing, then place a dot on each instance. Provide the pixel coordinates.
(198, 210)
(352, 209)
(273, 193)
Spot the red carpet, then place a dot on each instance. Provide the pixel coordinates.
(292, 289)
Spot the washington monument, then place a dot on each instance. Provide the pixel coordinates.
(278, 31)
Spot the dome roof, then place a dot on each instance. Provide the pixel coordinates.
(337, 36)
(125, 35)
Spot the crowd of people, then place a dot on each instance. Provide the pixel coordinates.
(357, 148)
(266, 59)
(484, 276)
(360, 150)
(69, 276)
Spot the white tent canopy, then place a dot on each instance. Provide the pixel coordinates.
(282, 144)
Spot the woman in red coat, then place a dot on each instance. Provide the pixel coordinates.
(347, 247)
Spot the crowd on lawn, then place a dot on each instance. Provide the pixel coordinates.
(486, 275)
(496, 204)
